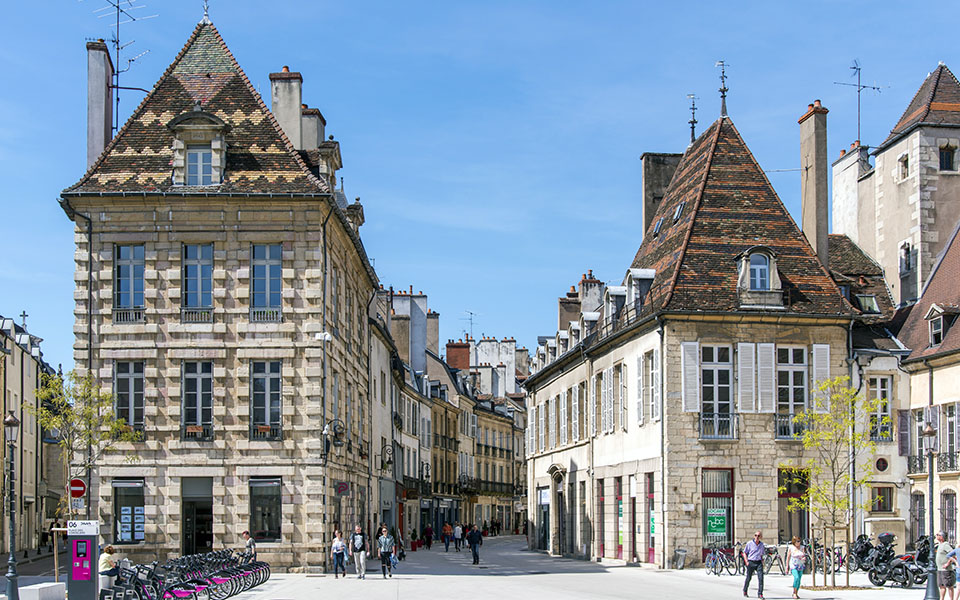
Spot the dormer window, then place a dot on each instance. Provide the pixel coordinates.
(656, 228)
(199, 148)
(679, 212)
(939, 319)
(759, 273)
(868, 303)
(936, 331)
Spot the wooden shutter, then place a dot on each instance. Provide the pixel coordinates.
(640, 389)
(746, 377)
(563, 418)
(575, 414)
(623, 396)
(542, 428)
(821, 373)
(608, 380)
(592, 412)
(655, 396)
(690, 367)
(903, 432)
(932, 415)
(766, 378)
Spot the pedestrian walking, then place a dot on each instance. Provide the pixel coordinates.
(428, 536)
(475, 540)
(53, 535)
(358, 547)
(447, 533)
(457, 537)
(386, 546)
(338, 552)
(945, 576)
(754, 551)
(797, 561)
(250, 547)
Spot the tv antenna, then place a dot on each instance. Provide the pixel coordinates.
(693, 117)
(122, 9)
(469, 317)
(723, 86)
(860, 87)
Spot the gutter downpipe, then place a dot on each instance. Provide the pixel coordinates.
(370, 454)
(71, 213)
(594, 546)
(663, 457)
(851, 361)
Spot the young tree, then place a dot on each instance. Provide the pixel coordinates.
(82, 419)
(838, 443)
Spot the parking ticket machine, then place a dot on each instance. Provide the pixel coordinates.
(82, 577)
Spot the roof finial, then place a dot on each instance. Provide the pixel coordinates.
(723, 87)
(693, 117)
(206, 12)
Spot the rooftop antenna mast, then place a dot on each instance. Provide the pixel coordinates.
(469, 317)
(723, 87)
(693, 117)
(121, 9)
(860, 87)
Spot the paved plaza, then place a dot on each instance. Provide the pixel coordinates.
(507, 570)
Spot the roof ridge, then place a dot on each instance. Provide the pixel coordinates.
(943, 253)
(694, 210)
(933, 92)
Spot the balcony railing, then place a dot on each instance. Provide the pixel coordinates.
(884, 433)
(266, 432)
(627, 315)
(266, 315)
(196, 315)
(127, 315)
(787, 428)
(196, 433)
(948, 461)
(719, 426)
(916, 464)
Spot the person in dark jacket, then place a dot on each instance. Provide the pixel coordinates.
(475, 540)
(428, 536)
(358, 546)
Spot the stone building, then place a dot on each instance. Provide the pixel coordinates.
(661, 412)
(222, 294)
(38, 464)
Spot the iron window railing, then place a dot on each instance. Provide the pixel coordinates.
(916, 464)
(787, 427)
(948, 461)
(266, 315)
(266, 432)
(196, 315)
(197, 433)
(127, 315)
(719, 426)
(883, 433)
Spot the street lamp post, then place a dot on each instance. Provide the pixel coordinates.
(11, 426)
(929, 435)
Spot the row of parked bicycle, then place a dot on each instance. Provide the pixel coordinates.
(212, 576)
(880, 561)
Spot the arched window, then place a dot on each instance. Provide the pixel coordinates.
(948, 514)
(759, 272)
(918, 521)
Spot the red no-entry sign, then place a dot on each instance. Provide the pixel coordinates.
(78, 488)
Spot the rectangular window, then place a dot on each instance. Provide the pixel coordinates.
(128, 391)
(198, 400)
(197, 290)
(868, 303)
(128, 513)
(265, 505)
(716, 377)
(792, 486)
(881, 499)
(936, 331)
(947, 154)
(717, 497)
(904, 166)
(919, 421)
(265, 401)
(128, 284)
(791, 389)
(199, 164)
(881, 423)
(266, 282)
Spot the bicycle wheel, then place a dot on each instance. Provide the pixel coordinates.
(718, 565)
(708, 562)
(767, 563)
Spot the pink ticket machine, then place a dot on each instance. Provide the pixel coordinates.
(82, 574)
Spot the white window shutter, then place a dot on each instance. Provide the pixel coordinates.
(563, 418)
(473, 426)
(746, 384)
(603, 402)
(655, 396)
(553, 422)
(623, 396)
(821, 373)
(592, 412)
(575, 414)
(690, 367)
(640, 389)
(608, 380)
(542, 428)
(766, 378)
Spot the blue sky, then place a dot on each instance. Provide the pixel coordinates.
(495, 145)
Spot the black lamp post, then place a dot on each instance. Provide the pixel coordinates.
(929, 435)
(11, 427)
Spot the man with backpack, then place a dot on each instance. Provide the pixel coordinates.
(357, 547)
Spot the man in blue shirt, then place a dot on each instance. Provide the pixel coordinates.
(754, 551)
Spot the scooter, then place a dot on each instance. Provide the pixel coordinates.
(887, 566)
(859, 552)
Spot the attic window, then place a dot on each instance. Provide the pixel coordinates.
(199, 148)
(656, 228)
(936, 331)
(199, 164)
(759, 273)
(758, 281)
(948, 158)
(679, 211)
(903, 166)
(868, 303)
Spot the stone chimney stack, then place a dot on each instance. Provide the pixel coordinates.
(99, 100)
(656, 171)
(286, 93)
(312, 127)
(813, 178)
(433, 332)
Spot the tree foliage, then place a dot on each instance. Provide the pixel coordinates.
(82, 419)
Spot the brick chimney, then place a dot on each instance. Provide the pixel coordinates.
(813, 177)
(99, 100)
(458, 354)
(286, 103)
(433, 332)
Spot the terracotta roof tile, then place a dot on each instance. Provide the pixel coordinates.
(937, 102)
(941, 289)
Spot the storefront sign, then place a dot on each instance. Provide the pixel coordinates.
(620, 522)
(717, 522)
(652, 531)
(341, 488)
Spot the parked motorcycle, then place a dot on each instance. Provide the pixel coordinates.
(859, 552)
(887, 566)
(920, 560)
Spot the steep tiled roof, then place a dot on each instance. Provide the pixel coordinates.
(937, 102)
(729, 207)
(850, 266)
(847, 258)
(941, 289)
(259, 158)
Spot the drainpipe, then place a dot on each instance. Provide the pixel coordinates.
(370, 453)
(71, 213)
(592, 493)
(663, 458)
(323, 384)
